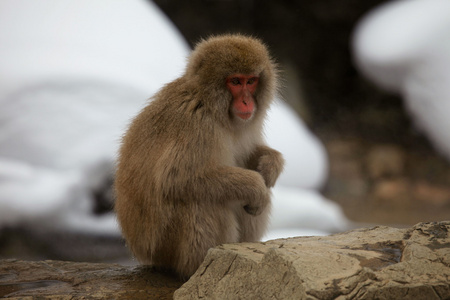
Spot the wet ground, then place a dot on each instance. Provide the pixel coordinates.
(65, 280)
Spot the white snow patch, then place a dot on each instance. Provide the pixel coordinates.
(306, 158)
(404, 46)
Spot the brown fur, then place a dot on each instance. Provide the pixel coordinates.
(190, 175)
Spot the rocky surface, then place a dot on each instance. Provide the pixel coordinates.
(372, 263)
(375, 263)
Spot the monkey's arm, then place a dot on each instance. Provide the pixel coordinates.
(238, 183)
(268, 162)
(221, 184)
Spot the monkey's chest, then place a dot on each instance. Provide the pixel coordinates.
(237, 152)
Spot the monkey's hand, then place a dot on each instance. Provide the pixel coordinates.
(270, 167)
(267, 162)
(259, 203)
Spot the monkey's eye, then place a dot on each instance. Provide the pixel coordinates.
(235, 81)
(251, 81)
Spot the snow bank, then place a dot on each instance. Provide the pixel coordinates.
(129, 43)
(73, 75)
(306, 158)
(302, 212)
(404, 47)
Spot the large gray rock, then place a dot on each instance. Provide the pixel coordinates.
(375, 263)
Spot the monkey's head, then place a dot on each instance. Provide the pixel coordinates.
(237, 73)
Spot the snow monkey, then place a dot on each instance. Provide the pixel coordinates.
(193, 170)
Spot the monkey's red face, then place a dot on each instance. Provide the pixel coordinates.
(242, 87)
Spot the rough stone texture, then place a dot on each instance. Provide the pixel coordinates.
(68, 280)
(375, 263)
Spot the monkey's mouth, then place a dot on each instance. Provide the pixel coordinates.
(244, 115)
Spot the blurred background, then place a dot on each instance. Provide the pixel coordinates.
(361, 119)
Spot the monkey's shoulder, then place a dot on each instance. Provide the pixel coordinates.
(183, 105)
(165, 120)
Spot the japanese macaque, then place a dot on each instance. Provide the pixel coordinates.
(193, 170)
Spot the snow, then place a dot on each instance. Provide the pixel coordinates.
(25, 191)
(306, 158)
(107, 40)
(404, 47)
(73, 75)
(303, 212)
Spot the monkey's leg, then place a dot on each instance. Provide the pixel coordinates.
(204, 227)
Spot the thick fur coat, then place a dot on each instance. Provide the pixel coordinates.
(190, 175)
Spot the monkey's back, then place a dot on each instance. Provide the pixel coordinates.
(164, 147)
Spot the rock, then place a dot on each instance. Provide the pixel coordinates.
(385, 161)
(392, 193)
(69, 280)
(346, 171)
(432, 195)
(375, 263)
(344, 161)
